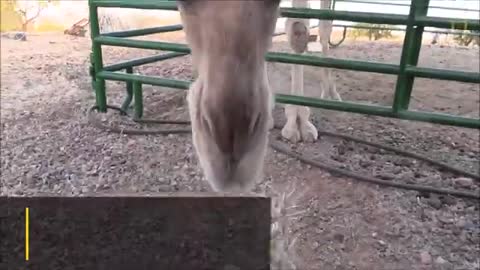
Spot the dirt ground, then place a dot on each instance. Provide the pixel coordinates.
(49, 147)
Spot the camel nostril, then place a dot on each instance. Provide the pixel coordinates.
(256, 124)
(205, 125)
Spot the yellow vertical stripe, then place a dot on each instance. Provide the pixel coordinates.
(27, 233)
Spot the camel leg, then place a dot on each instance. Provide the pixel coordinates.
(271, 104)
(298, 125)
(307, 130)
(324, 33)
(291, 129)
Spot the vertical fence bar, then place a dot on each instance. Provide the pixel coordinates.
(91, 71)
(138, 97)
(410, 52)
(128, 99)
(100, 94)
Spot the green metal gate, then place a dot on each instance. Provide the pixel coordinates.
(406, 71)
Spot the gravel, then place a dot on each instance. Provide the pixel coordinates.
(48, 147)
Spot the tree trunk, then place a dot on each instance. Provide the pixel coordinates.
(24, 32)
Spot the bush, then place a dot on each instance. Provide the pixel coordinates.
(376, 31)
(465, 38)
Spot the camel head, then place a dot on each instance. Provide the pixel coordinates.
(230, 101)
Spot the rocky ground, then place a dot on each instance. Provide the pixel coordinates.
(49, 147)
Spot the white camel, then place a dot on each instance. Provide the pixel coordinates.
(298, 127)
(230, 102)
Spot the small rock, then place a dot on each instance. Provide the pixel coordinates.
(420, 173)
(339, 237)
(397, 170)
(365, 163)
(131, 142)
(408, 176)
(386, 176)
(163, 188)
(471, 155)
(471, 208)
(446, 220)
(463, 182)
(425, 257)
(404, 162)
(442, 264)
(341, 149)
(432, 179)
(461, 223)
(423, 194)
(85, 189)
(434, 202)
(409, 180)
(448, 200)
(382, 243)
(339, 158)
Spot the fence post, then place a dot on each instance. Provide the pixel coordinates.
(416, 21)
(410, 53)
(91, 71)
(128, 99)
(99, 83)
(138, 98)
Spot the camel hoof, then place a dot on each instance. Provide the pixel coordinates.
(334, 95)
(309, 132)
(291, 133)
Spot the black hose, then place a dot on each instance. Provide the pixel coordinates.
(280, 147)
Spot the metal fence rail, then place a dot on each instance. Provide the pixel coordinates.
(345, 27)
(451, 32)
(401, 5)
(406, 70)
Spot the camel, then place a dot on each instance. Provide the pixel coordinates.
(230, 102)
(298, 127)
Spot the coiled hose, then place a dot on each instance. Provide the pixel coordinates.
(282, 148)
